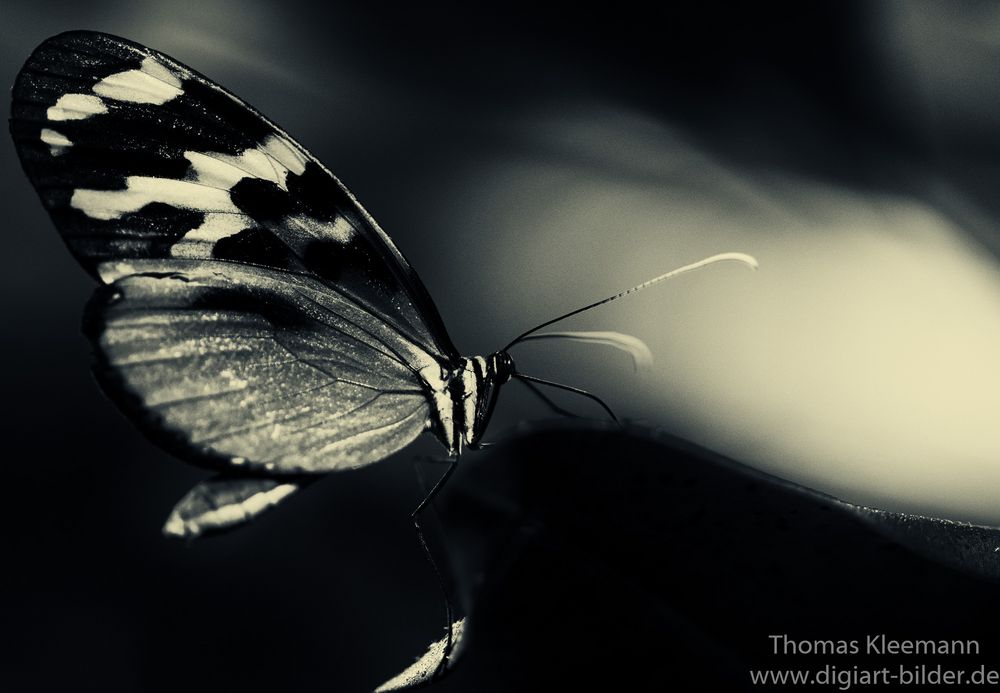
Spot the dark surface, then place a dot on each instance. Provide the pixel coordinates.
(646, 563)
(581, 553)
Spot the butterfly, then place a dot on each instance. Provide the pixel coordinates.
(251, 316)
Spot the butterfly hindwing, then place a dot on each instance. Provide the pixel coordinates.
(225, 502)
(254, 315)
(137, 156)
(245, 367)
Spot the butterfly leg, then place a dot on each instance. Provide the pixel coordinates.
(532, 379)
(430, 459)
(415, 516)
(534, 389)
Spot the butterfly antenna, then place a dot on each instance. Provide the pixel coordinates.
(748, 260)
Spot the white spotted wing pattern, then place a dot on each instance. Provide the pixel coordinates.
(252, 316)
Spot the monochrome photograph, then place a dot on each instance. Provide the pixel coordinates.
(529, 347)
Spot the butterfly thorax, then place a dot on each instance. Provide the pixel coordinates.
(463, 398)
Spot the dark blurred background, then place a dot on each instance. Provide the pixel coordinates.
(528, 159)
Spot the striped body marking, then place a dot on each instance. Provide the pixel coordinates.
(463, 398)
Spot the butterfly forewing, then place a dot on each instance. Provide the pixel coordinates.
(255, 315)
(138, 156)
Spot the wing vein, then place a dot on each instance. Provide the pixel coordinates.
(397, 356)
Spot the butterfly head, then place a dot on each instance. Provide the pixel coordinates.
(502, 367)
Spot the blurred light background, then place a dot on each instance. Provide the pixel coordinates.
(529, 160)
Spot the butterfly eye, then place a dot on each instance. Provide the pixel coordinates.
(503, 366)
